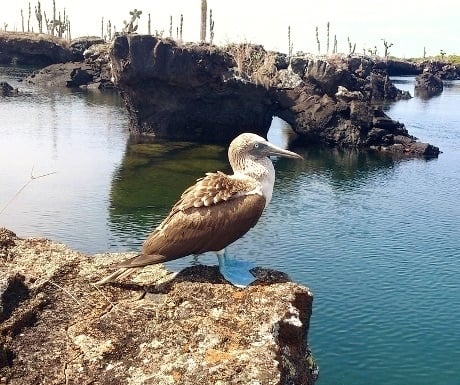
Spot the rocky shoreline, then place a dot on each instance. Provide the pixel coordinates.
(206, 93)
(162, 328)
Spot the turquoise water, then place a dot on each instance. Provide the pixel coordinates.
(375, 237)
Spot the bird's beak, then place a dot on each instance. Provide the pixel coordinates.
(273, 150)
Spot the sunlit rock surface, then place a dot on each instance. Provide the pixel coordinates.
(57, 328)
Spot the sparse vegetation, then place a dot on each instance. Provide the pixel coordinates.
(351, 47)
(211, 27)
(318, 43)
(253, 63)
(132, 25)
(204, 12)
(39, 17)
(59, 26)
(387, 46)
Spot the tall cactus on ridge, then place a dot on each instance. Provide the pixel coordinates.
(211, 27)
(38, 15)
(204, 11)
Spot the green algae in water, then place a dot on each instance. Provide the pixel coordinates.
(154, 175)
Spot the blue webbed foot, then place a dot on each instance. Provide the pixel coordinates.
(236, 271)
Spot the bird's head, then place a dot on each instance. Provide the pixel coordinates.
(254, 147)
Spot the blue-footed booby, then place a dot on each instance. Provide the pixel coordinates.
(216, 211)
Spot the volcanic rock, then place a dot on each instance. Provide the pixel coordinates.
(159, 328)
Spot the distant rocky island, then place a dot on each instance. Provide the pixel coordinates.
(202, 92)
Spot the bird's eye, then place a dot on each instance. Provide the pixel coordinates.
(256, 145)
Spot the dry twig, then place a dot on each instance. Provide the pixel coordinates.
(32, 178)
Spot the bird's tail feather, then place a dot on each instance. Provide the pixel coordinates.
(119, 274)
(129, 266)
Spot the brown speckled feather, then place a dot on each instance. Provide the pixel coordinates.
(195, 225)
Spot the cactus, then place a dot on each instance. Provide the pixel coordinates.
(442, 53)
(109, 30)
(204, 11)
(351, 48)
(424, 52)
(334, 50)
(327, 41)
(54, 18)
(132, 25)
(46, 22)
(290, 44)
(28, 19)
(181, 26)
(317, 41)
(102, 27)
(211, 27)
(372, 52)
(38, 15)
(149, 25)
(22, 20)
(170, 26)
(387, 47)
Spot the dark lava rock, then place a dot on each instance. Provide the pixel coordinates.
(201, 93)
(428, 85)
(80, 45)
(157, 328)
(186, 92)
(94, 71)
(396, 67)
(383, 89)
(332, 102)
(7, 90)
(32, 49)
(443, 70)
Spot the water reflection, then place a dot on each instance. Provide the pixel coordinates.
(154, 173)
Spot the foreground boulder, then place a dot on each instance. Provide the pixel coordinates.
(159, 328)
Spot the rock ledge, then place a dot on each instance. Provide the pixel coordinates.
(159, 328)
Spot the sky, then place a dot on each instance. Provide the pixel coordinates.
(409, 25)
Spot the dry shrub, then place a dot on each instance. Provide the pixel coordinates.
(253, 63)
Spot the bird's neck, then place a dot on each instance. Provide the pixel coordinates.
(262, 171)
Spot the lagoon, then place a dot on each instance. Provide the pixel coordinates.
(376, 237)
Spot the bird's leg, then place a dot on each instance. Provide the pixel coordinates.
(234, 270)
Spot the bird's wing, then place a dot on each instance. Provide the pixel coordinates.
(213, 189)
(210, 215)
